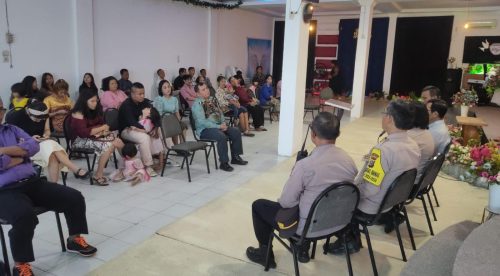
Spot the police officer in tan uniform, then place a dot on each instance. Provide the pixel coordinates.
(327, 164)
(386, 161)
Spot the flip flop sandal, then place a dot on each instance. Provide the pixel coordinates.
(101, 181)
(81, 176)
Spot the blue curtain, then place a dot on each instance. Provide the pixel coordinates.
(347, 53)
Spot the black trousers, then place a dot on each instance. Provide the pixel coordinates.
(263, 214)
(17, 203)
(220, 136)
(257, 115)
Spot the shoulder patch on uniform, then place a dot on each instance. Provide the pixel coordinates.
(374, 172)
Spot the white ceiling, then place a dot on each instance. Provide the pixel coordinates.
(277, 7)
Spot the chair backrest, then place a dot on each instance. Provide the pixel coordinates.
(170, 126)
(10, 112)
(184, 103)
(326, 93)
(425, 178)
(193, 126)
(399, 191)
(447, 148)
(433, 173)
(67, 131)
(333, 208)
(111, 118)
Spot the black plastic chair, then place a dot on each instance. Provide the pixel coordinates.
(332, 209)
(38, 211)
(445, 152)
(426, 188)
(84, 151)
(111, 118)
(211, 143)
(171, 127)
(426, 179)
(186, 109)
(394, 201)
(267, 107)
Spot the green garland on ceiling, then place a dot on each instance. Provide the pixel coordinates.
(212, 4)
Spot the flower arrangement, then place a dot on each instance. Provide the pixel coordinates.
(481, 162)
(492, 80)
(455, 133)
(465, 97)
(459, 154)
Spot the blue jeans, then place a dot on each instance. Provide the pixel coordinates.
(221, 137)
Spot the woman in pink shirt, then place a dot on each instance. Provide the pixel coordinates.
(112, 96)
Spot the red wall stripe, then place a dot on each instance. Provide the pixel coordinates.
(330, 52)
(328, 39)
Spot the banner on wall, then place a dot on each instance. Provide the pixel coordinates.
(481, 49)
(259, 53)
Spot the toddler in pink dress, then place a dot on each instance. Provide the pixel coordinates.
(134, 171)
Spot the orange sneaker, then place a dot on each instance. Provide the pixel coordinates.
(23, 269)
(80, 246)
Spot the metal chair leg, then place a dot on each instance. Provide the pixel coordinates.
(165, 163)
(295, 253)
(410, 232)
(192, 157)
(427, 215)
(435, 197)
(4, 252)
(326, 246)
(187, 167)
(313, 252)
(206, 160)
(398, 234)
(370, 250)
(64, 176)
(347, 255)
(61, 235)
(268, 253)
(432, 208)
(215, 155)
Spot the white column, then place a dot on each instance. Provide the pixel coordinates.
(391, 36)
(84, 39)
(293, 79)
(362, 53)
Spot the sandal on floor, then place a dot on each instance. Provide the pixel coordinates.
(248, 134)
(101, 181)
(81, 176)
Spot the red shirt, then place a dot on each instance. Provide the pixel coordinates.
(242, 93)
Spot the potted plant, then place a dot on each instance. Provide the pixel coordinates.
(486, 166)
(492, 84)
(466, 99)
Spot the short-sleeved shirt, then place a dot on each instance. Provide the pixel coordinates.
(387, 160)
(54, 104)
(164, 105)
(425, 143)
(326, 165)
(110, 99)
(440, 134)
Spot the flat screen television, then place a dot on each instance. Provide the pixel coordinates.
(479, 68)
(481, 49)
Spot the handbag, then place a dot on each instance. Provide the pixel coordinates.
(287, 220)
(302, 153)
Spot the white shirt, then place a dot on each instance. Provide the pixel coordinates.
(440, 134)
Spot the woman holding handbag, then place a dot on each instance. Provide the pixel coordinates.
(88, 130)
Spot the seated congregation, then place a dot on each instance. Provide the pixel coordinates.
(117, 124)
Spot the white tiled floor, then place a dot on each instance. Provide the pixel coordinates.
(120, 215)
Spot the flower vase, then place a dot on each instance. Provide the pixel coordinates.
(494, 200)
(464, 110)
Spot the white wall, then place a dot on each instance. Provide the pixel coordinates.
(70, 37)
(145, 35)
(44, 41)
(231, 30)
